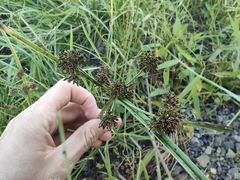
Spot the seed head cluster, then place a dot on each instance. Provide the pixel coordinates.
(168, 118)
(108, 120)
(70, 61)
(20, 73)
(148, 63)
(104, 76)
(170, 101)
(120, 91)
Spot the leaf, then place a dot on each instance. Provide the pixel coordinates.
(196, 36)
(167, 64)
(146, 17)
(226, 74)
(210, 126)
(188, 130)
(177, 26)
(189, 87)
(214, 55)
(162, 52)
(195, 95)
(28, 43)
(143, 163)
(183, 52)
(235, 26)
(184, 73)
(160, 91)
(196, 103)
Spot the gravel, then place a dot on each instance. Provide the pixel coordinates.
(217, 153)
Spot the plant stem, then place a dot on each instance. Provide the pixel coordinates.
(28, 43)
(157, 152)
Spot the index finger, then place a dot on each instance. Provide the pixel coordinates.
(64, 92)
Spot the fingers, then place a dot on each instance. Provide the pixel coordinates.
(84, 137)
(105, 137)
(71, 113)
(64, 92)
(58, 97)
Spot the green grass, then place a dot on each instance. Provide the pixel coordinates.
(197, 43)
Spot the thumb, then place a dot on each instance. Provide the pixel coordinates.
(82, 139)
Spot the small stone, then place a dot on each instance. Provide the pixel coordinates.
(230, 154)
(228, 144)
(203, 160)
(182, 176)
(194, 140)
(219, 119)
(234, 172)
(198, 135)
(237, 147)
(219, 150)
(208, 150)
(217, 141)
(213, 160)
(177, 170)
(223, 152)
(225, 111)
(237, 138)
(219, 170)
(214, 115)
(235, 124)
(213, 170)
(235, 132)
(227, 177)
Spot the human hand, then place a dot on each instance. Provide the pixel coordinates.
(30, 146)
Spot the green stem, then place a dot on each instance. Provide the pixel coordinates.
(63, 140)
(210, 126)
(230, 122)
(28, 43)
(106, 107)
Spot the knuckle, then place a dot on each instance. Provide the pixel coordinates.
(91, 136)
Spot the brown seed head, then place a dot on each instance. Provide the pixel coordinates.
(20, 73)
(108, 120)
(120, 91)
(104, 76)
(168, 119)
(149, 63)
(70, 61)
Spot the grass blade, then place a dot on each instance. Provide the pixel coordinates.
(143, 163)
